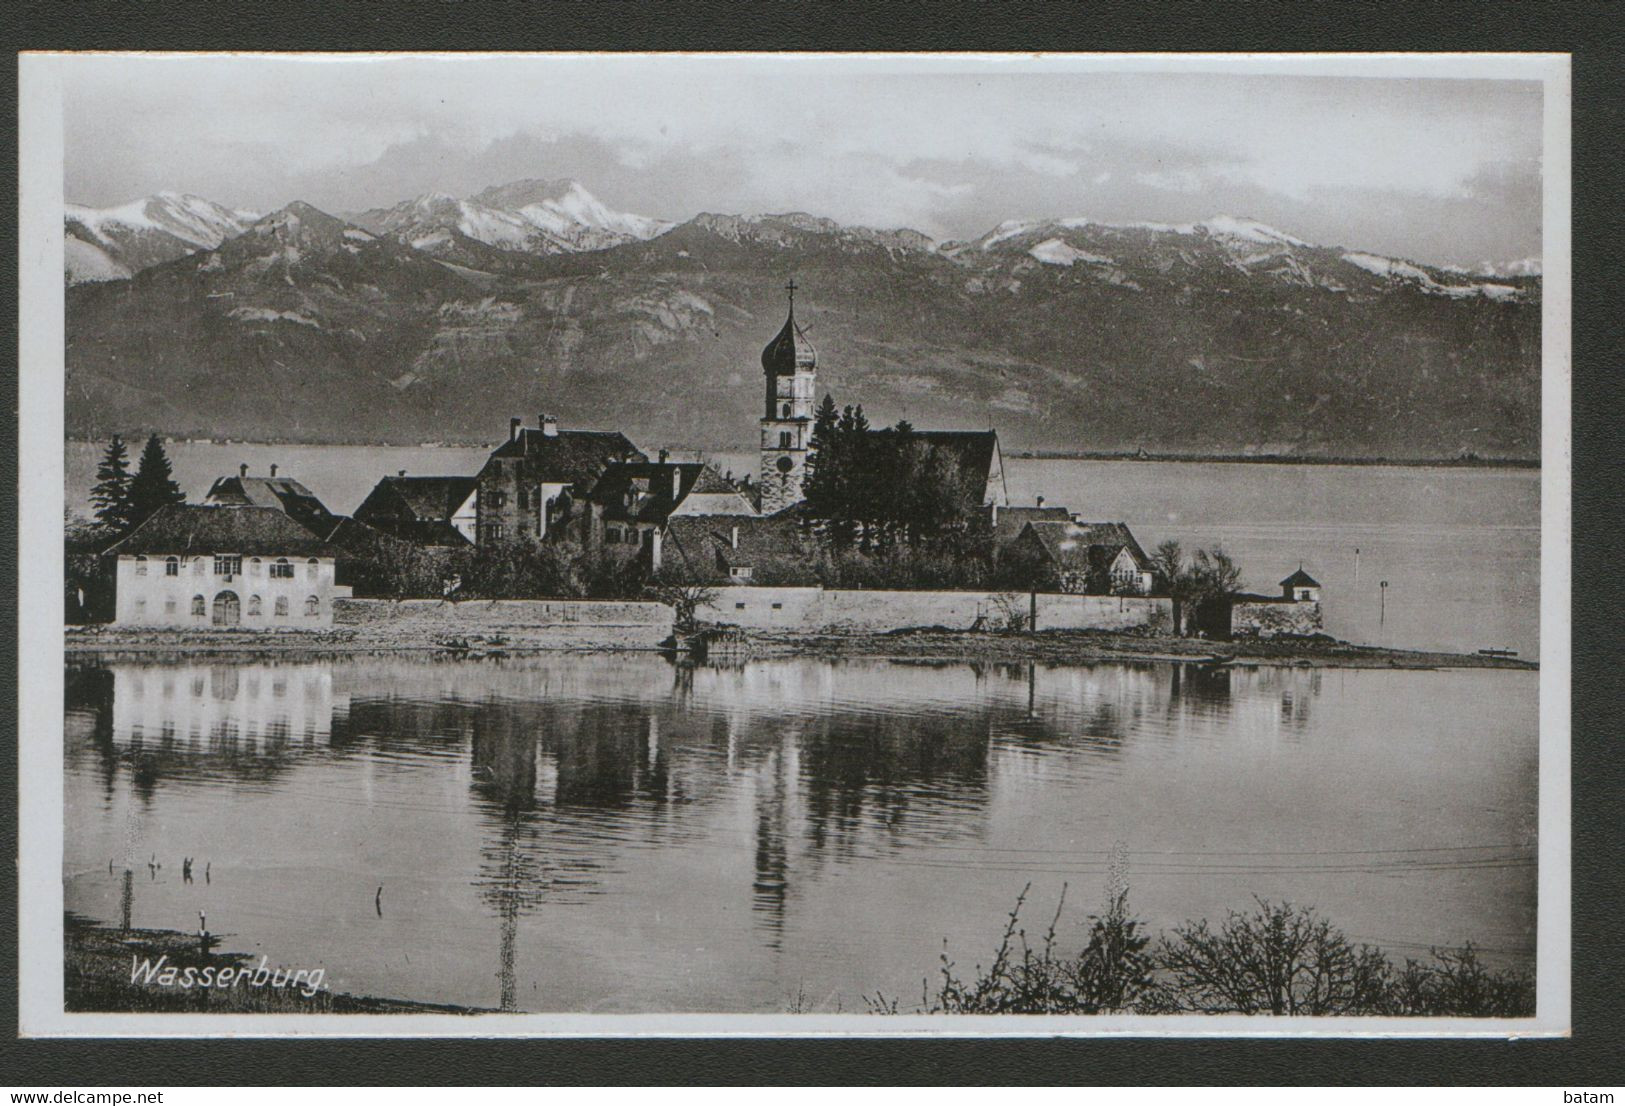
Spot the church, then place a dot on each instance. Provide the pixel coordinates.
(790, 366)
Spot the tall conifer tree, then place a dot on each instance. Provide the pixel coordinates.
(111, 494)
(152, 487)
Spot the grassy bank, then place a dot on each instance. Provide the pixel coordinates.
(99, 963)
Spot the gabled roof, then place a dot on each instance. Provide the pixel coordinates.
(193, 530)
(281, 493)
(1012, 520)
(418, 509)
(648, 485)
(427, 497)
(569, 456)
(1079, 545)
(774, 547)
(1300, 579)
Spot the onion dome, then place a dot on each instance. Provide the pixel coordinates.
(789, 351)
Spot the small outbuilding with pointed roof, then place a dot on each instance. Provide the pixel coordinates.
(1301, 587)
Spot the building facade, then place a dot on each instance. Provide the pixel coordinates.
(192, 567)
(532, 484)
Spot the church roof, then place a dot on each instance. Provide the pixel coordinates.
(1300, 579)
(251, 531)
(789, 350)
(972, 450)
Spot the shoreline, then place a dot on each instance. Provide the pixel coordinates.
(1013, 454)
(924, 644)
(97, 975)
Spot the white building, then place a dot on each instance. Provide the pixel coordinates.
(224, 567)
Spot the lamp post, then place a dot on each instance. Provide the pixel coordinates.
(1382, 609)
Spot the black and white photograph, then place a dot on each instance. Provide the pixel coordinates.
(691, 544)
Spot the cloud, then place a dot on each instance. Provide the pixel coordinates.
(950, 147)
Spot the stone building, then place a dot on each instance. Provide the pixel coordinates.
(790, 366)
(223, 568)
(632, 504)
(532, 483)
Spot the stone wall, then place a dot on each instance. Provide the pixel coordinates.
(835, 610)
(1268, 618)
(518, 623)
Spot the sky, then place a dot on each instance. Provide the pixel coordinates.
(1445, 170)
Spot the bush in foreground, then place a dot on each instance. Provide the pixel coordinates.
(1275, 958)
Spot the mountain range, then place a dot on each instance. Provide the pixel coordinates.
(436, 319)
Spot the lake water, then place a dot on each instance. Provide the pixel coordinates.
(1459, 548)
(617, 833)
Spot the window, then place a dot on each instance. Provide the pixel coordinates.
(254, 566)
(786, 410)
(172, 566)
(282, 606)
(784, 439)
(778, 606)
(524, 500)
(313, 569)
(313, 606)
(740, 572)
(199, 608)
(169, 607)
(493, 531)
(282, 570)
(498, 498)
(140, 566)
(612, 533)
(739, 606)
(254, 607)
(631, 537)
(226, 564)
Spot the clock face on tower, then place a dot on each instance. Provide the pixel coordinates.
(785, 464)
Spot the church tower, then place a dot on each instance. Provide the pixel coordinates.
(790, 365)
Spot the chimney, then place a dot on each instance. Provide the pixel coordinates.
(273, 470)
(513, 428)
(550, 425)
(663, 455)
(1040, 501)
(733, 538)
(242, 472)
(400, 472)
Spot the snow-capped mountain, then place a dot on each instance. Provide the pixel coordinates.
(112, 243)
(531, 216)
(1128, 254)
(1225, 336)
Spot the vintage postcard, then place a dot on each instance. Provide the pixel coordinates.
(601, 544)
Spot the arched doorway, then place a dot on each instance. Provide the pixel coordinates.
(227, 609)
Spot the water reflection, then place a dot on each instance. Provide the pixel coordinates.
(527, 793)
